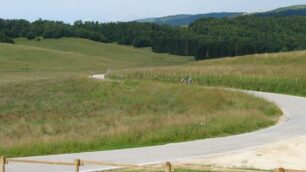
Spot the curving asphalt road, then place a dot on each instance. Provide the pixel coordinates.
(294, 125)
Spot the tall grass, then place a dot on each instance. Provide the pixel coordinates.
(74, 115)
(280, 73)
(293, 86)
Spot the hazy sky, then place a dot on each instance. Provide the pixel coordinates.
(125, 10)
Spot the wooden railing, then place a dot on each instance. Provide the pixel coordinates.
(167, 167)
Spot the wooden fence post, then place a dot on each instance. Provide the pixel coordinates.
(2, 164)
(77, 164)
(168, 167)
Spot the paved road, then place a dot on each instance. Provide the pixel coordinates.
(294, 125)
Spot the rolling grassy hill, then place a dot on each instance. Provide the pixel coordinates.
(112, 55)
(70, 56)
(48, 104)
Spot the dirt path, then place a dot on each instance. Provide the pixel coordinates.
(290, 154)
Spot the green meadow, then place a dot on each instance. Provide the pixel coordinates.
(48, 105)
(68, 57)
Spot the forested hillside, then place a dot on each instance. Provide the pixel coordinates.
(205, 38)
(246, 35)
(294, 7)
(301, 11)
(186, 19)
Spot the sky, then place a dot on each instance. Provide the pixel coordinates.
(127, 10)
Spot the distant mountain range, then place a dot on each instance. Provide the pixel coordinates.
(186, 19)
(297, 10)
(295, 7)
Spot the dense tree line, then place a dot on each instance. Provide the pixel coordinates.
(205, 38)
(249, 34)
(213, 38)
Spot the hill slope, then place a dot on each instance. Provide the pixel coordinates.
(113, 55)
(70, 56)
(294, 7)
(296, 10)
(186, 19)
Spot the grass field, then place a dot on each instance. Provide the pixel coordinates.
(48, 105)
(113, 56)
(280, 72)
(68, 57)
(54, 116)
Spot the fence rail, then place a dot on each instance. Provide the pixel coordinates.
(167, 167)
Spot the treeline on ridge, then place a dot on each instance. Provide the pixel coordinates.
(204, 39)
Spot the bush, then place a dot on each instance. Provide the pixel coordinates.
(5, 39)
(30, 36)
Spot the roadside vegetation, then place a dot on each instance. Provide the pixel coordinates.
(75, 115)
(279, 73)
